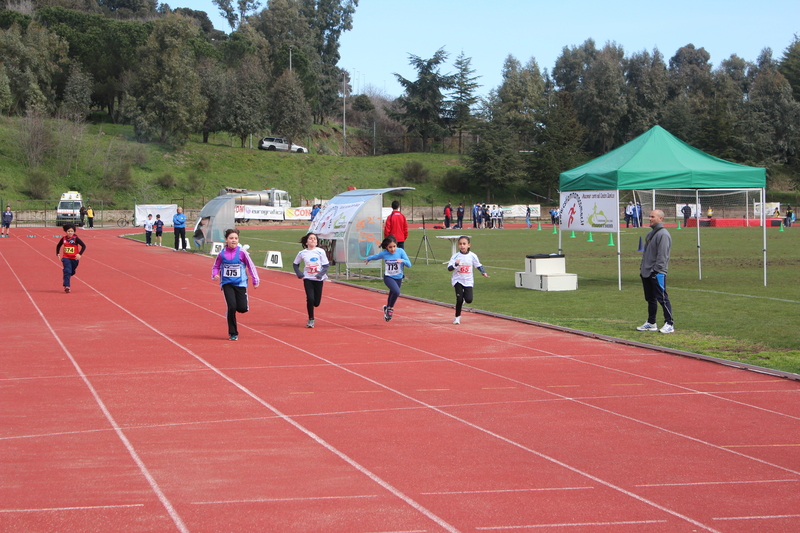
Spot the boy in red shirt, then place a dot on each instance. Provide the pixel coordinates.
(396, 225)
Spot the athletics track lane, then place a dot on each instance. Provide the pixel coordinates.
(357, 425)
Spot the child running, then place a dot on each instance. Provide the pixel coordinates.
(394, 259)
(315, 269)
(230, 268)
(69, 254)
(461, 265)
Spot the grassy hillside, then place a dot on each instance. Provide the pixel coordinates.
(107, 164)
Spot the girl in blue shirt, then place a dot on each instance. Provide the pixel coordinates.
(394, 260)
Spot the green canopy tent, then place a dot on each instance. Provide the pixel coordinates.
(658, 160)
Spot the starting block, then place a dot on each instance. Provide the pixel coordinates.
(273, 260)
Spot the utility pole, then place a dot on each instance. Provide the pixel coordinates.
(344, 111)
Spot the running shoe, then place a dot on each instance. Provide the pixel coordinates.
(233, 338)
(457, 320)
(385, 316)
(647, 326)
(668, 328)
(66, 289)
(389, 313)
(310, 324)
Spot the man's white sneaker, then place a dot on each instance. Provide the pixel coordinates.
(647, 326)
(457, 320)
(668, 328)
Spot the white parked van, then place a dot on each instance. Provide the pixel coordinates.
(69, 208)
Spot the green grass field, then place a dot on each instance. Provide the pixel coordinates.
(729, 313)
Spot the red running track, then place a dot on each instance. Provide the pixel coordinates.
(125, 408)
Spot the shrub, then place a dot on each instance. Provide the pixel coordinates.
(414, 172)
(456, 181)
(193, 182)
(166, 181)
(38, 185)
(118, 177)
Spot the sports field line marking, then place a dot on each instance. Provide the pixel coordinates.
(699, 483)
(268, 500)
(542, 489)
(80, 508)
(759, 445)
(764, 517)
(286, 418)
(117, 429)
(576, 524)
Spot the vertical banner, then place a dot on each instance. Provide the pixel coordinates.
(590, 211)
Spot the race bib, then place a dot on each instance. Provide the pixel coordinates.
(464, 269)
(313, 269)
(69, 249)
(232, 271)
(392, 267)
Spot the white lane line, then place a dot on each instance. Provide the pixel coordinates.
(542, 489)
(134, 455)
(765, 517)
(269, 500)
(576, 524)
(80, 508)
(720, 483)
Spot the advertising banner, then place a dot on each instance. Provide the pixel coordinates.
(257, 212)
(332, 221)
(590, 211)
(298, 213)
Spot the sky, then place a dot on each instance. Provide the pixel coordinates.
(386, 32)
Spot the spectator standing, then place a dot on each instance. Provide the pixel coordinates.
(629, 214)
(653, 271)
(460, 216)
(528, 216)
(148, 230)
(476, 215)
(789, 217)
(397, 225)
(448, 213)
(8, 216)
(90, 216)
(686, 211)
(158, 226)
(179, 227)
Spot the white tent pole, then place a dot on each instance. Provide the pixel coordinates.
(764, 230)
(619, 252)
(699, 257)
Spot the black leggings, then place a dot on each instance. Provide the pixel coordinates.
(313, 295)
(463, 294)
(236, 298)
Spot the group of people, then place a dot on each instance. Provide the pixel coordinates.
(156, 226)
(233, 268)
(487, 216)
(633, 215)
(448, 216)
(88, 213)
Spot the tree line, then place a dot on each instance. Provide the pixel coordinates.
(169, 73)
(537, 124)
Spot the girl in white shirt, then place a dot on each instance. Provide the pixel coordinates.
(462, 265)
(315, 268)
